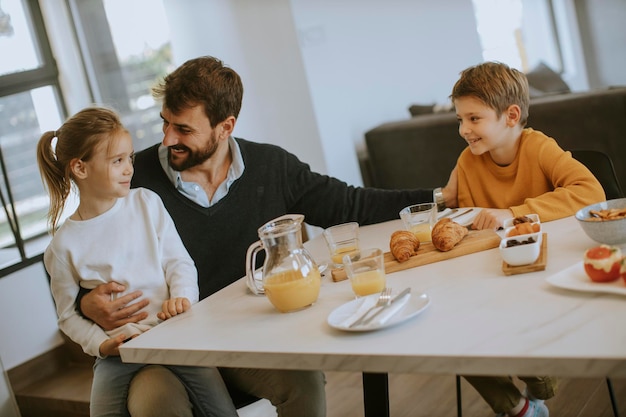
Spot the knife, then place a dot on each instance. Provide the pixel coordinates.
(450, 213)
(393, 300)
(462, 213)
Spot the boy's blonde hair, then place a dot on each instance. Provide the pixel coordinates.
(77, 138)
(495, 84)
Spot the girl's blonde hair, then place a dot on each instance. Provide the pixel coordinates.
(77, 138)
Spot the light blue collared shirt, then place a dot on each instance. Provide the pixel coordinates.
(194, 191)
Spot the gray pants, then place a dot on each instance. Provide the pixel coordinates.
(203, 385)
(156, 392)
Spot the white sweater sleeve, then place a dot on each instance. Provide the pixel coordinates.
(64, 286)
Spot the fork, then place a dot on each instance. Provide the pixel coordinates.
(383, 300)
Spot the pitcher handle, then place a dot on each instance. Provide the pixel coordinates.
(255, 285)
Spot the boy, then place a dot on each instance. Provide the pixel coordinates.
(509, 170)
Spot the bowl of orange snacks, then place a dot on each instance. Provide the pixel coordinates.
(522, 239)
(522, 226)
(604, 222)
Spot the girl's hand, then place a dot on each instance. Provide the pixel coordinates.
(174, 306)
(111, 347)
(491, 218)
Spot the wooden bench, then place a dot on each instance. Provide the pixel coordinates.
(54, 384)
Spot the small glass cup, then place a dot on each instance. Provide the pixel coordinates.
(366, 270)
(420, 219)
(342, 239)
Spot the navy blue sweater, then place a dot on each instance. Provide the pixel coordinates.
(274, 183)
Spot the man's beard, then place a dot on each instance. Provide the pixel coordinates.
(194, 158)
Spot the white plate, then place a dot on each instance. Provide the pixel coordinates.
(575, 278)
(416, 304)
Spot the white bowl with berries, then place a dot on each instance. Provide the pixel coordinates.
(521, 250)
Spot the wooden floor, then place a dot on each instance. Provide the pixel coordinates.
(434, 396)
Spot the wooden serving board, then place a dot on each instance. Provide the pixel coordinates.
(475, 241)
(539, 265)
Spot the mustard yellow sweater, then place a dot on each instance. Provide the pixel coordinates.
(543, 179)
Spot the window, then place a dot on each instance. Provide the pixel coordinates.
(122, 57)
(30, 103)
(520, 33)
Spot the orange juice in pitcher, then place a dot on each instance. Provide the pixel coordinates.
(291, 291)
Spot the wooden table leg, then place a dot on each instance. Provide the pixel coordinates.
(376, 394)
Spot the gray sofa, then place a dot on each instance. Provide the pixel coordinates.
(421, 151)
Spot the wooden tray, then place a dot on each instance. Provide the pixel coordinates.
(475, 241)
(539, 265)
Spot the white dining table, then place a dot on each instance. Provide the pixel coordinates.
(479, 322)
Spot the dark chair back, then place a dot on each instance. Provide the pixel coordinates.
(601, 166)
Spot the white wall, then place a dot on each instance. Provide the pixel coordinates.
(604, 40)
(28, 327)
(575, 69)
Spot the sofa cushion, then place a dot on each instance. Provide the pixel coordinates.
(419, 109)
(543, 80)
(418, 152)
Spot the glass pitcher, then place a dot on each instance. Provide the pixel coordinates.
(289, 278)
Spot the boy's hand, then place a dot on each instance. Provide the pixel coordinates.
(174, 306)
(491, 218)
(111, 347)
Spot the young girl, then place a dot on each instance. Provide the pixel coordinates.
(122, 235)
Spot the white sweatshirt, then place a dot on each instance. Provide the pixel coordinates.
(135, 243)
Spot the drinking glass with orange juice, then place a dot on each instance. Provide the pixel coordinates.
(342, 239)
(340, 252)
(366, 270)
(420, 219)
(422, 231)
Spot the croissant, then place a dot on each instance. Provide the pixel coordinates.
(403, 245)
(446, 234)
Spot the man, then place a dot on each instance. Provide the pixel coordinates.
(219, 190)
